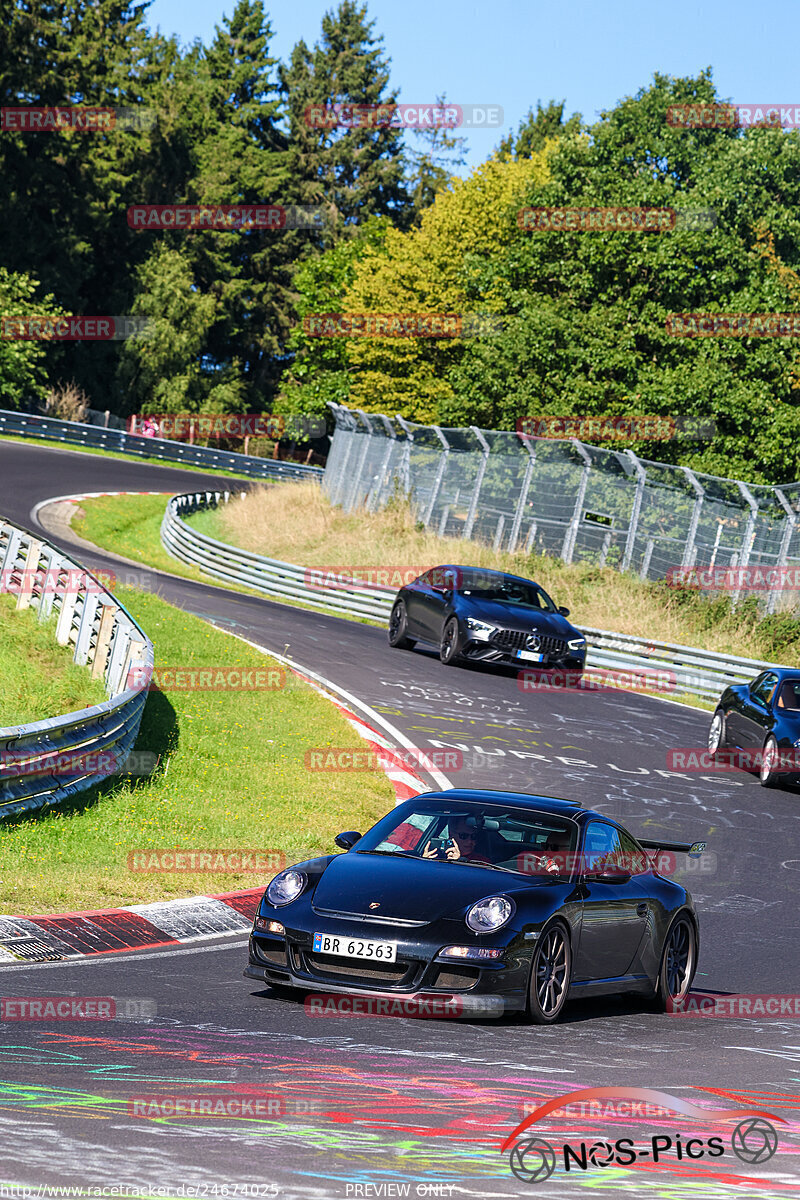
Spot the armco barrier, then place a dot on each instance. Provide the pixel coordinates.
(267, 575)
(701, 673)
(107, 641)
(117, 440)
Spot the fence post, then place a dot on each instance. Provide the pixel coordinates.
(405, 466)
(437, 483)
(749, 535)
(523, 492)
(699, 490)
(391, 438)
(783, 553)
(641, 480)
(570, 537)
(351, 500)
(476, 491)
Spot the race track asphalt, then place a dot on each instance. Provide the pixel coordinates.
(380, 1103)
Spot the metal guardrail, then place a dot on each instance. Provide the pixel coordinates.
(689, 670)
(95, 437)
(269, 576)
(46, 761)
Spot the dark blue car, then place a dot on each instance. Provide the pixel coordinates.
(499, 902)
(472, 614)
(761, 719)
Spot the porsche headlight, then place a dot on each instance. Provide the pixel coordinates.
(577, 643)
(286, 887)
(480, 629)
(489, 914)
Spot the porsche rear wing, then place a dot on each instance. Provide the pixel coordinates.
(678, 847)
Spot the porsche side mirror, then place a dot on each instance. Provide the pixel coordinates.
(564, 611)
(608, 875)
(348, 839)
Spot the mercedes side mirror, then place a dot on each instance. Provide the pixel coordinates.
(564, 611)
(345, 840)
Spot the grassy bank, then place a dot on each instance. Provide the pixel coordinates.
(38, 676)
(299, 525)
(231, 775)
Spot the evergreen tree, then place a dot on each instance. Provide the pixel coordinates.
(358, 169)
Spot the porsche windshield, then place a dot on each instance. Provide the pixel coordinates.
(512, 839)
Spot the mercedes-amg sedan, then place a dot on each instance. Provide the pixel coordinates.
(477, 615)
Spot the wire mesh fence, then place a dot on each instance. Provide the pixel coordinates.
(579, 502)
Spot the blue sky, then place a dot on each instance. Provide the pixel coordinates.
(590, 53)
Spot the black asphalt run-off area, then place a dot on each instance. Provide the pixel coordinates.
(398, 1101)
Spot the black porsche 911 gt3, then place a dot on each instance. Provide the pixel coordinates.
(761, 718)
(477, 615)
(416, 908)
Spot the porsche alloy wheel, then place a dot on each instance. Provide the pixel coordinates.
(770, 761)
(678, 963)
(398, 625)
(449, 650)
(716, 732)
(550, 975)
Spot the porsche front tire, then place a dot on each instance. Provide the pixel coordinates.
(551, 972)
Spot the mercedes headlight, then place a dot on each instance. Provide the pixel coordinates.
(481, 629)
(577, 643)
(489, 914)
(286, 887)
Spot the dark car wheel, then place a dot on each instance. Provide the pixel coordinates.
(398, 624)
(450, 647)
(678, 964)
(770, 761)
(716, 732)
(551, 970)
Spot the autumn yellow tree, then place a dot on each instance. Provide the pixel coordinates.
(435, 268)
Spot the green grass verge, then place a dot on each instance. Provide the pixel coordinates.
(55, 444)
(38, 676)
(231, 775)
(131, 527)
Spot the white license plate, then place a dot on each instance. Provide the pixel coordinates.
(529, 656)
(328, 943)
